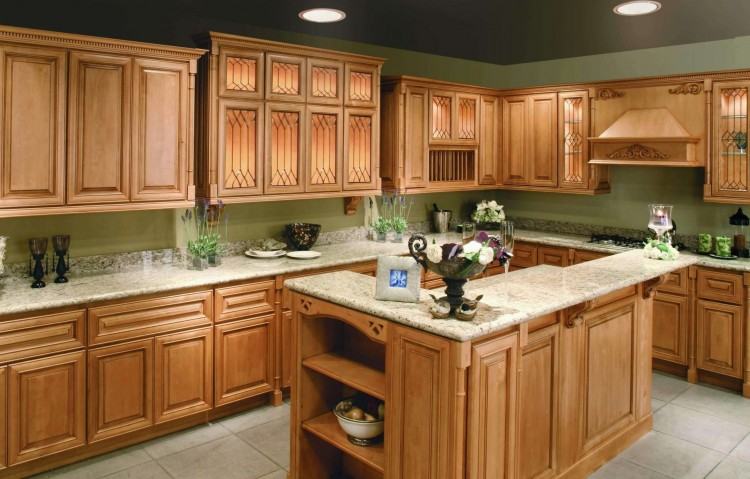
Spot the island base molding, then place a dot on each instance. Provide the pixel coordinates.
(554, 397)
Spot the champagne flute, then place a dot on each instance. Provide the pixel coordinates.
(506, 233)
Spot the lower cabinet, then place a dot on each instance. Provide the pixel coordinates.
(719, 337)
(3, 417)
(183, 374)
(552, 256)
(46, 406)
(671, 318)
(244, 359)
(121, 389)
(286, 349)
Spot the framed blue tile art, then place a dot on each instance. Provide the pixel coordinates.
(398, 279)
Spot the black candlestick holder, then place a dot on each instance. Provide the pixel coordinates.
(61, 245)
(38, 249)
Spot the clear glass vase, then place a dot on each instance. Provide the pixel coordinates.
(198, 263)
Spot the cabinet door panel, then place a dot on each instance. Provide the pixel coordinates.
(244, 359)
(286, 349)
(120, 386)
(491, 430)
(160, 130)
(730, 175)
(542, 140)
(99, 130)
(553, 256)
(240, 73)
(670, 327)
(3, 417)
(467, 118)
(417, 126)
(326, 82)
(184, 374)
(360, 149)
(324, 148)
(240, 148)
(32, 169)
(538, 403)
(489, 141)
(285, 148)
(362, 83)
(719, 338)
(573, 123)
(285, 78)
(515, 167)
(46, 406)
(442, 116)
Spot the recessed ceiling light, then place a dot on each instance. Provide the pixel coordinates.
(637, 7)
(322, 15)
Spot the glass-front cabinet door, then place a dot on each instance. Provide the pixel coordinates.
(573, 130)
(729, 175)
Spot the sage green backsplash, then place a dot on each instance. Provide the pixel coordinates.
(633, 188)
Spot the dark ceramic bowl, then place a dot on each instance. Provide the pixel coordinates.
(302, 236)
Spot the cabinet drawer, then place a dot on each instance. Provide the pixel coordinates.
(245, 300)
(35, 336)
(677, 282)
(552, 256)
(719, 286)
(524, 255)
(581, 256)
(146, 317)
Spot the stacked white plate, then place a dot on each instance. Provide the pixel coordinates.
(256, 253)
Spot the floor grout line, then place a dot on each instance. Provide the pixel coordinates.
(261, 452)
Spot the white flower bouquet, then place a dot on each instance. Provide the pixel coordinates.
(488, 213)
(455, 260)
(656, 249)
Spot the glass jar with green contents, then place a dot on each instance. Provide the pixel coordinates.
(723, 246)
(704, 243)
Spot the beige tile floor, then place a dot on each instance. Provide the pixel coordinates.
(699, 432)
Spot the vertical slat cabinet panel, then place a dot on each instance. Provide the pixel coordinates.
(285, 78)
(3, 417)
(46, 406)
(160, 130)
(542, 139)
(417, 408)
(284, 148)
(467, 118)
(324, 148)
(325, 82)
(241, 73)
(362, 85)
(538, 397)
(99, 129)
(671, 314)
(244, 359)
(120, 389)
(573, 145)
(32, 168)
(286, 349)
(360, 149)
(515, 138)
(719, 337)
(730, 175)
(491, 431)
(241, 138)
(489, 140)
(183, 374)
(442, 116)
(416, 164)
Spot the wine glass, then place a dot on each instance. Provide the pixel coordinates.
(660, 219)
(468, 230)
(506, 234)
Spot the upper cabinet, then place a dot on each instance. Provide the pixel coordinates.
(91, 124)
(438, 136)
(279, 121)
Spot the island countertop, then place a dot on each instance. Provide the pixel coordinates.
(508, 299)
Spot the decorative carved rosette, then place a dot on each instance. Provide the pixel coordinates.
(638, 152)
(608, 94)
(687, 89)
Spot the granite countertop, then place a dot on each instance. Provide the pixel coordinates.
(146, 278)
(508, 299)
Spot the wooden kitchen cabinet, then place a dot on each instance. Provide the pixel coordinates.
(46, 406)
(573, 144)
(581, 256)
(416, 159)
(515, 140)
(490, 112)
(34, 85)
(183, 374)
(553, 256)
(293, 122)
(719, 340)
(120, 389)
(671, 327)
(286, 349)
(524, 255)
(454, 117)
(244, 352)
(99, 107)
(3, 417)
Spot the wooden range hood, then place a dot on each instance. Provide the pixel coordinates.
(645, 136)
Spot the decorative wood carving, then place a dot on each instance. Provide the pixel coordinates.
(649, 287)
(306, 304)
(351, 204)
(638, 152)
(573, 316)
(376, 328)
(687, 89)
(241, 74)
(608, 94)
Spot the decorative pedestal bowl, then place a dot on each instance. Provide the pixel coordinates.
(455, 272)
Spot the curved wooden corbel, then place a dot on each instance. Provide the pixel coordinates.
(649, 287)
(574, 314)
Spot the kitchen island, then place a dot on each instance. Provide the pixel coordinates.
(551, 379)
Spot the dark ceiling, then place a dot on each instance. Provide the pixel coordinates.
(496, 31)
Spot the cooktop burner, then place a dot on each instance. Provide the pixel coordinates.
(614, 240)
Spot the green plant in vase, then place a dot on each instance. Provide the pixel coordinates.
(202, 228)
(401, 208)
(381, 226)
